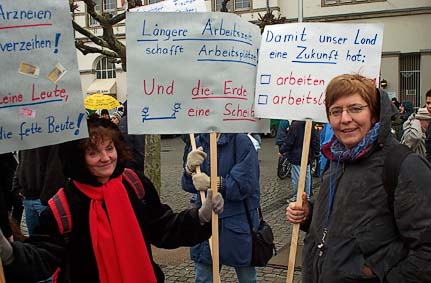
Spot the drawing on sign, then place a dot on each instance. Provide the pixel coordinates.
(146, 113)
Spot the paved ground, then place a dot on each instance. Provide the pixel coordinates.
(176, 263)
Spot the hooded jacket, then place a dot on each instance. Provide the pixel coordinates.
(38, 257)
(362, 229)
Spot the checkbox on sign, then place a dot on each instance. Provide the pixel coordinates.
(262, 99)
(265, 79)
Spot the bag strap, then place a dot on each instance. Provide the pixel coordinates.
(133, 179)
(60, 206)
(61, 211)
(391, 169)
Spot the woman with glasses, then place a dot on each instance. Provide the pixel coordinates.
(355, 231)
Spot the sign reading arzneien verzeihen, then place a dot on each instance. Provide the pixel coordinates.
(191, 73)
(41, 101)
(297, 61)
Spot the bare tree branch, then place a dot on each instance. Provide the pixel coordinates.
(97, 40)
(86, 49)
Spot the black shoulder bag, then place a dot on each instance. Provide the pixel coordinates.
(263, 247)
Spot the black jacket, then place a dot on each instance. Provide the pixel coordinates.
(39, 174)
(362, 229)
(41, 254)
(292, 146)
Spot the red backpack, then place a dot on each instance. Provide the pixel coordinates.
(61, 210)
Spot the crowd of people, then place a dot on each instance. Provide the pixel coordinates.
(92, 215)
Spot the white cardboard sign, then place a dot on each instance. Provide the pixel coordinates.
(191, 72)
(41, 100)
(297, 61)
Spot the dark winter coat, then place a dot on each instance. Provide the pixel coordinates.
(237, 163)
(39, 173)
(362, 228)
(428, 143)
(41, 254)
(7, 171)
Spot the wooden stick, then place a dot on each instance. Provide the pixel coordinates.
(301, 185)
(214, 218)
(2, 278)
(202, 194)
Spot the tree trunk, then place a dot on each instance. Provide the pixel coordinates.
(152, 160)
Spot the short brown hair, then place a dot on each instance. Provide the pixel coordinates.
(350, 84)
(100, 129)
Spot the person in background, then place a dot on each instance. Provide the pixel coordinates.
(238, 182)
(396, 103)
(116, 118)
(104, 114)
(283, 127)
(415, 131)
(292, 146)
(136, 143)
(325, 137)
(354, 234)
(113, 229)
(428, 131)
(406, 109)
(38, 177)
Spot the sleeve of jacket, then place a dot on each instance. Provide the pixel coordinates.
(243, 178)
(39, 256)
(171, 230)
(412, 211)
(412, 134)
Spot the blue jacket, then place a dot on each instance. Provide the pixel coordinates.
(238, 165)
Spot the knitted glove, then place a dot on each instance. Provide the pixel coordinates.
(6, 251)
(201, 181)
(194, 159)
(216, 205)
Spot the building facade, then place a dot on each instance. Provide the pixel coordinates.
(406, 56)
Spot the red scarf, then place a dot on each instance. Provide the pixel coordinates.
(118, 242)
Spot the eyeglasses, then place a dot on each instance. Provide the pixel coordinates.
(351, 109)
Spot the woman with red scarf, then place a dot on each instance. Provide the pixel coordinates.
(112, 228)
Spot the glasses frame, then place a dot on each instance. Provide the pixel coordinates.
(348, 109)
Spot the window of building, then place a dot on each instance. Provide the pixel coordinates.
(109, 6)
(242, 4)
(154, 1)
(105, 69)
(342, 2)
(238, 5)
(410, 70)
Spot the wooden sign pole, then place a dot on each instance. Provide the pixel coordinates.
(2, 278)
(202, 195)
(214, 218)
(301, 185)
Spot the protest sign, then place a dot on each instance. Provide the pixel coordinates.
(173, 6)
(297, 61)
(41, 101)
(191, 72)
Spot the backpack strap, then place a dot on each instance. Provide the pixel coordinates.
(391, 169)
(61, 211)
(132, 178)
